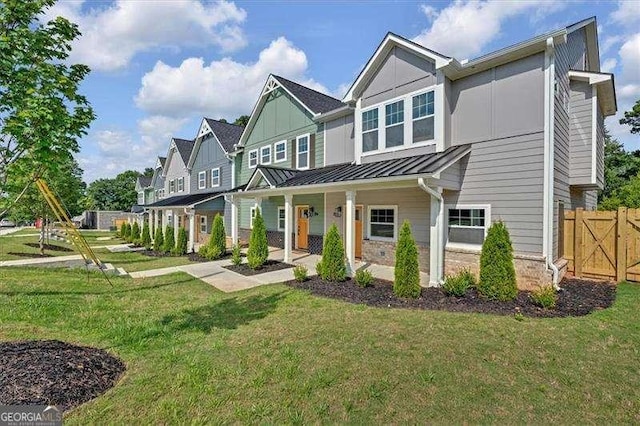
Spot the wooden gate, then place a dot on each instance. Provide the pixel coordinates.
(602, 244)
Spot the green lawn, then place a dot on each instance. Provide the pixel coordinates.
(277, 355)
(16, 243)
(132, 261)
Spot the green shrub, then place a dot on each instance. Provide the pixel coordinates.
(218, 237)
(181, 245)
(258, 249)
(169, 239)
(319, 269)
(127, 232)
(300, 273)
(406, 281)
(123, 230)
(145, 239)
(135, 232)
(457, 285)
(545, 297)
(333, 266)
(363, 278)
(236, 255)
(497, 272)
(158, 240)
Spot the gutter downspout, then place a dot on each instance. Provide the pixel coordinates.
(439, 261)
(549, 112)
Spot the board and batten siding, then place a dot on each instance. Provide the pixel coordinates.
(339, 143)
(413, 205)
(580, 133)
(269, 210)
(210, 155)
(176, 169)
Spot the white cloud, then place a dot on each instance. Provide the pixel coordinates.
(223, 88)
(464, 28)
(112, 36)
(608, 65)
(609, 42)
(627, 13)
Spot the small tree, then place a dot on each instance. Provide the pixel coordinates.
(135, 232)
(218, 240)
(406, 281)
(127, 232)
(146, 236)
(169, 240)
(258, 248)
(181, 245)
(123, 229)
(497, 272)
(158, 240)
(332, 266)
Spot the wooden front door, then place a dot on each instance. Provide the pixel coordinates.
(358, 228)
(302, 217)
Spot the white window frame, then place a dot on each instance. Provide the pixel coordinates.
(407, 123)
(180, 184)
(400, 123)
(377, 129)
(487, 224)
(413, 120)
(308, 136)
(262, 151)
(275, 151)
(140, 198)
(281, 209)
(172, 186)
(202, 179)
(393, 207)
(252, 215)
(253, 151)
(215, 185)
(203, 222)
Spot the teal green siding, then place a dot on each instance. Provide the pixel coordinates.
(270, 211)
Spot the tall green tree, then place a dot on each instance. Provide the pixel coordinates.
(621, 167)
(242, 121)
(632, 118)
(118, 193)
(42, 113)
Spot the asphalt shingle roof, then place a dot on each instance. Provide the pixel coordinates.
(184, 148)
(144, 181)
(185, 200)
(228, 134)
(162, 161)
(317, 102)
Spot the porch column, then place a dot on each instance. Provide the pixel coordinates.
(288, 216)
(192, 231)
(175, 225)
(350, 234)
(258, 203)
(164, 220)
(436, 240)
(150, 221)
(234, 220)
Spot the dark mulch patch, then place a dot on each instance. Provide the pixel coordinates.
(51, 247)
(50, 372)
(269, 266)
(578, 297)
(195, 257)
(152, 253)
(30, 255)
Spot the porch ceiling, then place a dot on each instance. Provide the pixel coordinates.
(189, 200)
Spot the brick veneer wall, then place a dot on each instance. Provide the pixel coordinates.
(384, 253)
(531, 271)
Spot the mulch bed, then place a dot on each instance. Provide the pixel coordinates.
(193, 257)
(51, 247)
(30, 255)
(578, 297)
(269, 266)
(50, 372)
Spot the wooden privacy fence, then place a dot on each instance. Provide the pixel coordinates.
(602, 244)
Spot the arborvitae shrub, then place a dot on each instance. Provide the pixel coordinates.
(333, 266)
(123, 229)
(181, 245)
(158, 240)
(497, 272)
(146, 236)
(406, 281)
(127, 232)
(218, 240)
(236, 255)
(169, 239)
(135, 232)
(258, 249)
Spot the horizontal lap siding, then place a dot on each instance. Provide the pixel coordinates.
(600, 148)
(508, 175)
(581, 132)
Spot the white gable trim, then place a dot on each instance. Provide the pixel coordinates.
(196, 147)
(255, 179)
(173, 150)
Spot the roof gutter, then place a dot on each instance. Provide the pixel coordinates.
(333, 114)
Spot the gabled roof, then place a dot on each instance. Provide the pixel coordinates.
(184, 147)
(161, 161)
(144, 181)
(314, 102)
(228, 134)
(274, 176)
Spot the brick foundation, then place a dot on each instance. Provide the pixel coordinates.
(384, 253)
(531, 271)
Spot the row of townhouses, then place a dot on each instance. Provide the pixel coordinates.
(513, 136)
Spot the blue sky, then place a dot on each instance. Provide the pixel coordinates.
(158, 67)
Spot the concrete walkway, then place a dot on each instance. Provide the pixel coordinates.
(41, 260)
(7, 231)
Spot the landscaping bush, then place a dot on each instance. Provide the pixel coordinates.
(123, 230)
(181, 245)
(497, 272)
(545, 297)
(457, 285)
(258, 249)
(333, 266)
(300, 273)
(236, 255)
(217, 244)
(406, 281)
(135, 232)
(363, 278)
(127, 232)
(169, 239)
(158, 240)
(145, 239)
(209, 253)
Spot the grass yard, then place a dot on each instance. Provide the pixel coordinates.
(277, 355)
(133, 262)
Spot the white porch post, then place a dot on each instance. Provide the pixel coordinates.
(234, 220)
(436, 240)
(350, 234)
(192, 231)
(164, 220)
(288, 222)
(175, 225)
(150, 222)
